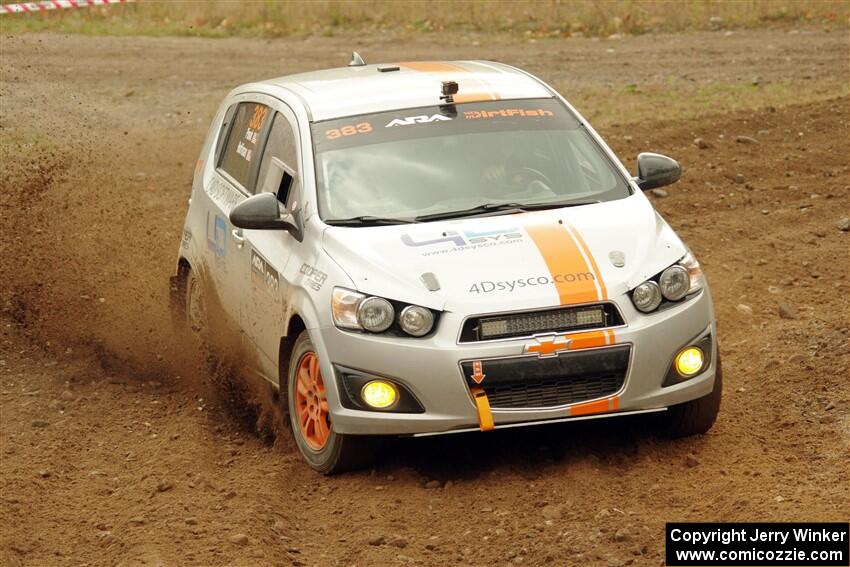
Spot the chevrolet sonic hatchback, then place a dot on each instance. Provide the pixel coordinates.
(430, 247)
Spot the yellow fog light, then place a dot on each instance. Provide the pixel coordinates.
(379, 394)
(689, 361)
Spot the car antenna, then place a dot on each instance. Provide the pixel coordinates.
(356, 60)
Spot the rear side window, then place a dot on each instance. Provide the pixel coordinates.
(241, 147)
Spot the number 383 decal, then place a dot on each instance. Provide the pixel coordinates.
(351, 130)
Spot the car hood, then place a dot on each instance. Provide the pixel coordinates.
(519, 261)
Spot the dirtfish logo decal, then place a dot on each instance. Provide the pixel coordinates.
(410, 120)
(465, 240)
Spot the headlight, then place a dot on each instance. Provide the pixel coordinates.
(375, 314)
(344, 308)
(674, 283)
(697, 280)
(416, 320)
(647, 296)
(360, 312)
(680, 280)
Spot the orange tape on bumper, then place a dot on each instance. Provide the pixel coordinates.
(599, 406)
(591, 339)
(482, 404)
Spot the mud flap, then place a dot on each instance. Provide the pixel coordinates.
(177, 298)
(177, 295)
(482, 404)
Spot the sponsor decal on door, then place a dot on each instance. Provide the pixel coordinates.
(263, 276)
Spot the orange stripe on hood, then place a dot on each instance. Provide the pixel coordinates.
(603, 292)
(476, 92)
(571, 266)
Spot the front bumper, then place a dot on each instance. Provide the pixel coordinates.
(431, 370)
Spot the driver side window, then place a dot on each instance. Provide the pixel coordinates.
(592, 169)
(279, 167)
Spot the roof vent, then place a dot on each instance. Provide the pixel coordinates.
(356, 60)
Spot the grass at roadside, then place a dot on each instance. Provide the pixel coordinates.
(534, 18)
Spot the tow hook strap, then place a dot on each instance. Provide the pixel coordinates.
(485, 417)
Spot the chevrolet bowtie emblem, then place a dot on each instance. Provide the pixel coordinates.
(548, 346)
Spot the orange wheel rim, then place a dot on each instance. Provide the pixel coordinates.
(311, 403)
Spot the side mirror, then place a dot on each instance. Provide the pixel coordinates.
(656, 170)
(262, 212)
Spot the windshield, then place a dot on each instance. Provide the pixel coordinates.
(428, 161)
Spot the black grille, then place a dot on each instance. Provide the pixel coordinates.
(541, 394)
(572, 377)
(528, 323)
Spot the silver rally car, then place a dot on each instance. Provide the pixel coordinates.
(434, 247)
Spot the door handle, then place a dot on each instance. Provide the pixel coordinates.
(238, 237)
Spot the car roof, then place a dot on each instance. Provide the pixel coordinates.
(364, 89)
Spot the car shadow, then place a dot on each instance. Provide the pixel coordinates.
(524, 450)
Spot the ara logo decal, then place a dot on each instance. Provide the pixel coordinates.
(263, 275)
(424, 119)
(547, 346)
(465, 240)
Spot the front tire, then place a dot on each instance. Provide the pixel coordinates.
(325, 450)
(694, 417)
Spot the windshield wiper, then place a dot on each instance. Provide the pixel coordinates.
(367, 220)
(495, 207)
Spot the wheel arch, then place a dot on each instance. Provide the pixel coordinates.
(294, 327)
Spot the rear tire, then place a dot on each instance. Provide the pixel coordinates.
(325, 450)
(694, 417)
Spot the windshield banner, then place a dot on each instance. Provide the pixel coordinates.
(405, 124)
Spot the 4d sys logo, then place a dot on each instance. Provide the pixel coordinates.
(467, 238)
(411, 120)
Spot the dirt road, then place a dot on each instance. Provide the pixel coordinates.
(117, 449)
